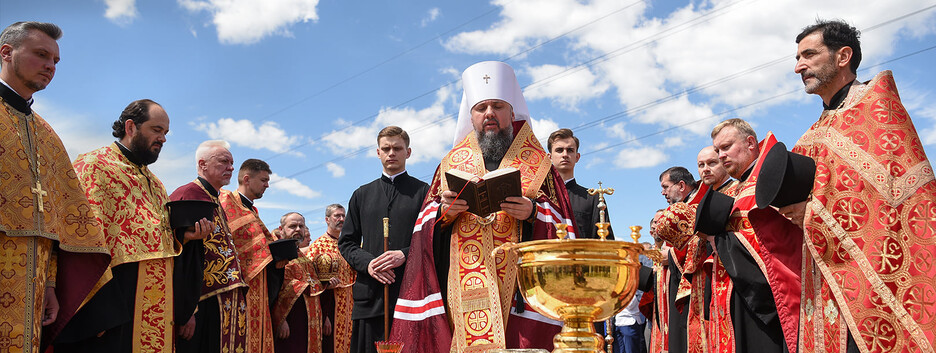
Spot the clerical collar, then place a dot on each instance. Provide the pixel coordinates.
(391, 177)
(246, 201)
(207, 185)
(747, 172)
(571, 180)
(837, 99)
(129, 154)
(722, 186)
(686, 199)
(14, 99)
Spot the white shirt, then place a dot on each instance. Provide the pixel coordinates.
(394, 175)
(631, 314)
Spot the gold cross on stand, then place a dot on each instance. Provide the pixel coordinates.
(602, 206)
(40, 193)
(486, 78)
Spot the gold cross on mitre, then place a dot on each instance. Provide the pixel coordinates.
(39, 193)
(486, 78)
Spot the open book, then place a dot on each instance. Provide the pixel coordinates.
(485, 194)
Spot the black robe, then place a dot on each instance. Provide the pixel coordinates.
(585, 207)
(754, 315)
(361, 239)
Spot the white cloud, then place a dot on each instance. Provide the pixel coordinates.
(121, 12)
(336, 170)
(244, 133)
(77, 136)
(249, 21)
(566, 86)
(542, 128)
(618, 130)
(292, 186)
(431, 16)
(629, 158)
(430, 130)
(723, 53)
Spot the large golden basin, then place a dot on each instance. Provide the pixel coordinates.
(578, 281)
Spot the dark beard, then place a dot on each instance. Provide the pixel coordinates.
(140, 147)
(494, 145)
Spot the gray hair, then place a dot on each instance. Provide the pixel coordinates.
(331, 209)
(283, 218)
(203, 150)
(15, 33)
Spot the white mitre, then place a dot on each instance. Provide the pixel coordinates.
(488, 80)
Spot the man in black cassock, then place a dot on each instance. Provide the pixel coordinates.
(396, 195)
(564, 153)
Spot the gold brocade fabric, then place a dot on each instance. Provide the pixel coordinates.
(36, 210)
(222, 270)
(152, 317)
(129, 202)
(659, 332)
(251, 238)
(66, 216)
(480, 284)
(23, 270)
(870, 225)
(324, 253)
(301, 287)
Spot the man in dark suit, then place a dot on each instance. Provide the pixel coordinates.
(563, 152)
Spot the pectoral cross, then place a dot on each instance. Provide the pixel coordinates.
(40, 193)
(486, 78)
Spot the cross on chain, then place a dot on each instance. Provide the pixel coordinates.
(39, 193)
(486, 78)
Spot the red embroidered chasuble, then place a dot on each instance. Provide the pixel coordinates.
(251, 238)
(776, 246)
(129, 202)
(329, 264)
(870, 228)
(301, 286)
(481, 286)
(38, 210)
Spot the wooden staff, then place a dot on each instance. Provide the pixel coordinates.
(386, 287)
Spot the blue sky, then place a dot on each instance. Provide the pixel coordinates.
(306, 84)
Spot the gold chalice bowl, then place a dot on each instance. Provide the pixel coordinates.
(578, 281)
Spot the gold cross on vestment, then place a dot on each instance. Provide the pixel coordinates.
(40, 193)
(486, 78)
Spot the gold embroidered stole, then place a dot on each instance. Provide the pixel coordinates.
(870, 228)
(222, 269)
(24, 269)
(480, 285)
